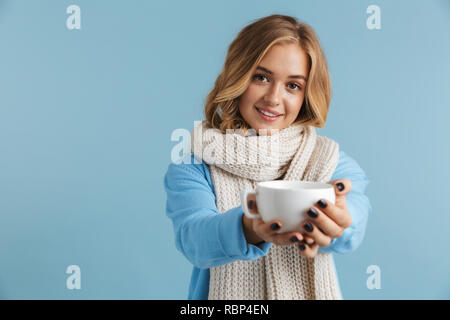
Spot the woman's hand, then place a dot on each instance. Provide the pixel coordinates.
(257, 231)
(326, 220)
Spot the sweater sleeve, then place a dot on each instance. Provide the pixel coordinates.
(358, 205)
(206, 237)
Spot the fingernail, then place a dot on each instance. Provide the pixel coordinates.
(275, 226)
(322, 203)
(308, 227)
(302, 247)
(250, 204)
(312, 213)
(340, 186)
(294, 239)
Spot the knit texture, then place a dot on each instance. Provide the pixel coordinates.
(238, 162)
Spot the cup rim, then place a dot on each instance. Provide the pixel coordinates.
(283, 185)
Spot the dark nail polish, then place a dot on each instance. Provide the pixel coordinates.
(250, 204)
(294, 239)
(308, 227)
(275, 226)
(312, 213)
(302, 247)
(340, 186)
(322, 203)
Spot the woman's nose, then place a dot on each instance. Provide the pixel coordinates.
(272, 98)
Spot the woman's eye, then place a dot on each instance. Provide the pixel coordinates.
(259, 76)
(296, 86)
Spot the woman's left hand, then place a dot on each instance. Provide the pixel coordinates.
(326, 220)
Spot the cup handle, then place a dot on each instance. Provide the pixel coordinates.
(244, 194)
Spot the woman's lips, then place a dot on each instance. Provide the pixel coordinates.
(267, 118)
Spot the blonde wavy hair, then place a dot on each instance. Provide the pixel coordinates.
(244, 55)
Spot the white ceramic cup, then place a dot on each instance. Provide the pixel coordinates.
(286, 200)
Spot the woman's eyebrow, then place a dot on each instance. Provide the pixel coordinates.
(295, 76)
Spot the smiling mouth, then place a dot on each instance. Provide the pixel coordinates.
(268, 114)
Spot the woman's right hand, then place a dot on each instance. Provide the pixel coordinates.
(257, 231)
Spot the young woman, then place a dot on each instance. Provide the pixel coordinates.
(274, 85)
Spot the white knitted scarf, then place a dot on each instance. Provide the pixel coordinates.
(238, 161)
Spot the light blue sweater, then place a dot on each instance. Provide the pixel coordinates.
(208, 238)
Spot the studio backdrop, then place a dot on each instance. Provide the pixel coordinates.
(91, 93)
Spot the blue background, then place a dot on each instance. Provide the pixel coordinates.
(86, 118)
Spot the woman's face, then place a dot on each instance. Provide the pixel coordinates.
(278, 87)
